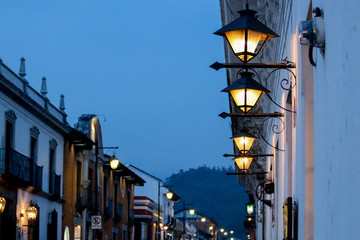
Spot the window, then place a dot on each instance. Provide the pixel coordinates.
(105, 193)
(52, 166)
(78, 181)
(116, 186)
(34, 135)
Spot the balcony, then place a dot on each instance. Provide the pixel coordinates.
(19, 169)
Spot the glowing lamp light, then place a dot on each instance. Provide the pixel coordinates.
(2, 204)
(203, 219)
(244, 141)
(231, 232)
(31, 211)
(246, 35)
(166, 227)
(222, 230)
(114, 163)
(169, 195)
(250, 208)
(225, 233)
(243, 163)
(245, 91)
(211, 228)
(191, 211)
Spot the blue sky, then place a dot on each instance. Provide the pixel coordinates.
(143, 66)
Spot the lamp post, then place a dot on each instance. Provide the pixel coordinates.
(97, 148)
(191, 212)
(169, 195)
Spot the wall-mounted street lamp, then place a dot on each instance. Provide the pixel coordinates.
(31, 212)
(250, 208)
(245, 91)
(169, 195)
(246, 35)
(2, 204)
(114, 162)
(243, 163)
(244, 140)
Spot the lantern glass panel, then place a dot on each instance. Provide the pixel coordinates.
(243, 163)
(245, 98)
(237, 42)
(244, 143)
(31, 213)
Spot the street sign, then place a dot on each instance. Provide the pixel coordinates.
(96, 222)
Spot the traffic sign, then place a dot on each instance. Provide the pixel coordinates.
(96, 222)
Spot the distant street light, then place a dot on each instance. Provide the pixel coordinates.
(2, 204)
(191, 211)
(114, 163)
(169, 195)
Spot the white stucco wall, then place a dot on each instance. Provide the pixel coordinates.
(336, 83)
(25, 120)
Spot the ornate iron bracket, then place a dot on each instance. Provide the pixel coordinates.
(248, 155)
(262, 185)
(287, 64)
(275, 128)
(247, 173)
(257, 115)
(285, 84)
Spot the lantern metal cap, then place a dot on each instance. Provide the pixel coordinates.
(246, 81)
(247, 20)
(244, 133)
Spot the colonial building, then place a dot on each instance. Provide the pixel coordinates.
(92, 188)
(154, 208)
(31, 158)
(311, 151)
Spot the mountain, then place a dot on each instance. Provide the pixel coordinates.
(213, 193)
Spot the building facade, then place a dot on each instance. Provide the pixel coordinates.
(314, 156)
(112, 198)
(31, 158)
(154, 211)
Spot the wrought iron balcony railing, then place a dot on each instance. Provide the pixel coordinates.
(55, 183)
(14, 164)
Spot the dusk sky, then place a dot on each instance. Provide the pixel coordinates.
(142, 66)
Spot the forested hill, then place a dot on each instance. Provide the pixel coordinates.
(213, 193)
